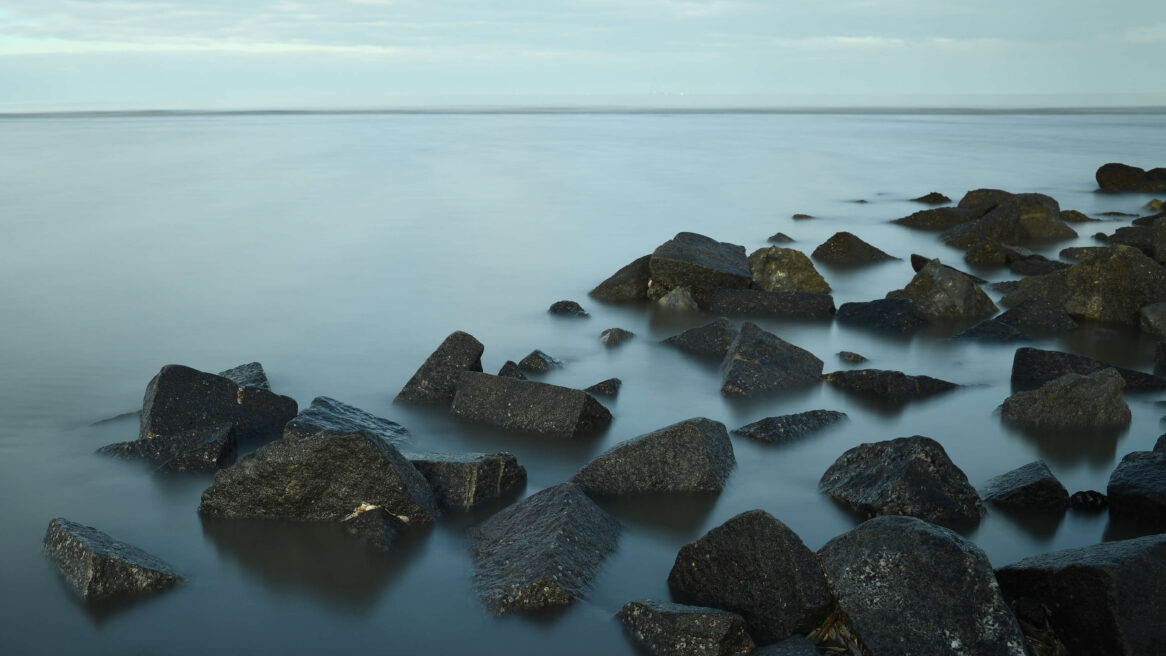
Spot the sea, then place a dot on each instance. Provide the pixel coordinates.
(340, 248)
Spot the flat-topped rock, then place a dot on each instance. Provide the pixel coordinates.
(1137, 487)
(1032, 367)
(248, 375)
(710, 340)
(98, 567)
(1071, 402)
(663, 628)
(773, 305)
(899, 316)
(629, 284)
(528, 405)
(464, 481)
(790, 428)
(759, 362)
(944, 293)
(1032, 486)
(887, 387)
(846, 249)
(203, 449)
(328, 416)
(436, 379)
(777, 269)
(701, 264)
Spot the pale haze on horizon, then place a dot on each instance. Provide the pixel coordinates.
(214, 54)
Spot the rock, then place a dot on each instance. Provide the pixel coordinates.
(1030, 486)
(986, 253)
(511, 370)
(615, 336)
(1158, 239)
(941, 218)
(898, 316)
(464, 481)
(904, 476)
(324, 476)
(754, 565)
(1018, 219)
(180, 399)
(435, 381)
(1155, 205)
(1071, 402)
(327, 415)
(1077, 252)
(538, 362)
(701, 264)
(918, 262)
(777, 269)
(799, 217)
(527, 405)
(890, 387)
(1073, 216)
(933, 198)
(1038, 316)
(1033, 264)
(1135, 236)
(1137, 487)
(1033, 367)
(629, 284)
(100, 568)
(1152, 319)
(759, 361)
(909, 587)
(609, 387)
(1102, 599)
(248, 375)
(774, 305)
(679, 299)
(781, 238)
(662, 628)
(689, 456)
(944, 293)
(202, 449)
(993, 330)
(710, 340)
(795, 646)
(541, 552)
(850, 357)
(846, 249)
(375, 525)
(1159, 359)
(1122, 177)
(1087, 501)
(789, 428)
(568, 309)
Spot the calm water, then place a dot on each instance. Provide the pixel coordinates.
(340, 250)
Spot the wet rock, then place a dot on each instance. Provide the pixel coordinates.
(1123, 177)
(1038, 316)
(541, 552)
(795, 646)
(1073, 216)
(710, 340)
(1102, 599)
(629, 284)
(1155, 205)
(567, 309)
(662, 628)
(463, 481)
(699, 263)
(435, 381)
(933, 198)
(615, 336)
(321, 477)
(941, 218)
(759, 361)
(327, 415)
(944, 293)
(918, 262)
(1135, 236)
(846, 249)
(527, 405)
(1088, 501)
(609, 387)
(1071, 402)
(207, 455)
(689, 456)
(1030, 486)
(850, 357)
(1018, 219)
(180, 399)
(993, 330)
(511, 370)
(1077, 252)
(375, 525)
(753, 564)
(679, 300)
(909, 587)
(898, 316)
(904, 476)
(889, 387)
(1152, 319)
(986, 253)
(1032, 367)
(774, 305)
(781, 238)
(777, 269)
(1033, 264)
(202, 449)
(789, 428)
(99, 567)
(248, 375)
(1137, 487)
(799, 216)
(985, 198)
(538, 362)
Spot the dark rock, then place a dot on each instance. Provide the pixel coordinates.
(248, 375)
(944, 293)
(1152, 319)
(799, 216)
(941, 218)
(986, 253)
(435, 381)
(933, 198)
(1159, 359)
(679, 299)
(1038, 316)
(909, 587)
(609, 387)
(689, 456)
(891, 387)
(1077, 252)
(777, 269)
(99, 567)
(789, 428)
(1135, 236)
(464, 481)
(1088, 501)
(850, 357)
(900, 316)
(1019, 219)
(1030, 486)
(993, 330)
(701, 264)
(987, 198)
(202, 449)
(781, 238)
(375, 525)
(629, 284)
(541, 552)
(615, 336)
(527, 405)
(759, 361)
(904, 476)
(1071, 402)
(846, 249)
(1006, 286)
(1117, 214)
(329, 416)
(538, 362)
(662, 628)
(180, 398)
(918, 262)
(1137, 487)
(208, 455)
(775, 305)
(754, 565)
(511, 370)
(324, 476)
(795, 646)
(710, 340)
(1102, 599)
(1073, 216)
(1033, 367)
(1034, 264)
(1123, 177)
(568, 309)
(1148, 220)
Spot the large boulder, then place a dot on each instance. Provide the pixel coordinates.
(203, 449)
(1016, 219)
(942, 218)
(846, 249)
(1123, 177)
(710, 340)
(701, 264)
(904, 476)
(541, 552)
(663, 628)
(688, 456)
(1102, 599)
(101, 568)
(248, 375)
(899, 316)
(327, 415)
(774, 305)
(753, 564)
(629, 284)
(759, 361)
(909, 587)
(1137, 487)
(464, 481)
(1032, 367)
(1071, 402)
(790, 428)
(437, 378)
(1032, 486)
(777, 269)
(944, 293)
(887, 387)
(528, 405)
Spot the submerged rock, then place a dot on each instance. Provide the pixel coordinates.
(1071, 402)
(774, 305)
(629, 284)
(613, 337)
(248, 375)
(538, 362)
(850, 357)
(463, 481)
(899, 316)
(1088, 501)
(1032, 367)
(99, 567)
(435, 381)
(780, 238)
(759, 361)
(527, 405)
(203, 449)
(1137, 487)
(777, 269)
(789, 428)
(944, 293)
(844, 248)
(1030, 486)
(710, 340)
(609, 387)
(327, 415)
(568, 309)
(1123, 177)
(890, 387)
(701, 264)
(663, 628)
(993, 330)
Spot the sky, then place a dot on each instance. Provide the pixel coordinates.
(247, 54)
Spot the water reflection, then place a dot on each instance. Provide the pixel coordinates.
(673, 516)
(1071, 446)
(1125, 528)
(1040, 524)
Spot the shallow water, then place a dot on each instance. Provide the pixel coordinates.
(340, 250)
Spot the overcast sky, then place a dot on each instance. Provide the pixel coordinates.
(363, 53)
